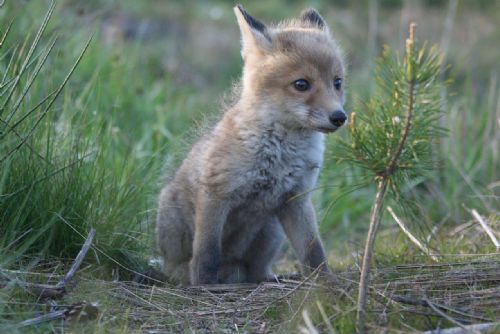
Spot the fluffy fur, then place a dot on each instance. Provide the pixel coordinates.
(244, 185)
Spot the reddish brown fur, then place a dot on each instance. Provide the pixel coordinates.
(247, 183)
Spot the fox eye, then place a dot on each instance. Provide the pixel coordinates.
(337, 83)
(301, 85)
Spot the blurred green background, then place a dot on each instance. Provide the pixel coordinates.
(155, 72)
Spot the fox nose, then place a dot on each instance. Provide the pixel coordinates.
(337, 118)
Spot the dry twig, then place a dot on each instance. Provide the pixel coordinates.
(486, 228)
(481, 328)
(447, 317)
(58, 290)
(43, 318)
(410, 236)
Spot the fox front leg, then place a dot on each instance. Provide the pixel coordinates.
(299, 222)
(209, 221)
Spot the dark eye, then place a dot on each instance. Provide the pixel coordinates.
(301, 85)
(337, 83)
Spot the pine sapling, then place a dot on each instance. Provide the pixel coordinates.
(392, 137)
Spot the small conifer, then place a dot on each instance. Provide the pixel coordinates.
(392, 136)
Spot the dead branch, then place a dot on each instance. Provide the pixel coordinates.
(410, 236)
(409, 300)
(43, 318)
(309, 329)
(59, 290)
(77, 311)
(447, 317)
(486, 228)
(78, 260)
(489, 327)
(326, 320)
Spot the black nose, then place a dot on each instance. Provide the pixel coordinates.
(338, 117)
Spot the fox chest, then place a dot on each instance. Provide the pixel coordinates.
(281, 169)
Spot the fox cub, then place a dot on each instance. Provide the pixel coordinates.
(246, 184)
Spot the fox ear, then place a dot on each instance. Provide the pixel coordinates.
(254, 34)
(311, 17)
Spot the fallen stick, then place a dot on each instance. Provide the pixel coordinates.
(410, 236)
(450, 319)
(409, 300)
(489, 327)
(77, 311)
(45, 317)
(78, 260)
(58, 290)
(309, 329)
(486, 228)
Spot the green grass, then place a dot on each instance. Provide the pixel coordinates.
(97, 155)
(90, 159)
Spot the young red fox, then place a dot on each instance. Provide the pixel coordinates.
(246, 184)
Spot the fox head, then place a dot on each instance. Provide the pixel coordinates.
(295, 69)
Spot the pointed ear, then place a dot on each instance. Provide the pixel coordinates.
(311, 18)
(254, 34)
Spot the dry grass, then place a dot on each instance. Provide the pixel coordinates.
(468, 292)
(464, 292)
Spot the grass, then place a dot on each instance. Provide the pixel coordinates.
(97, 155)
(81, 161)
